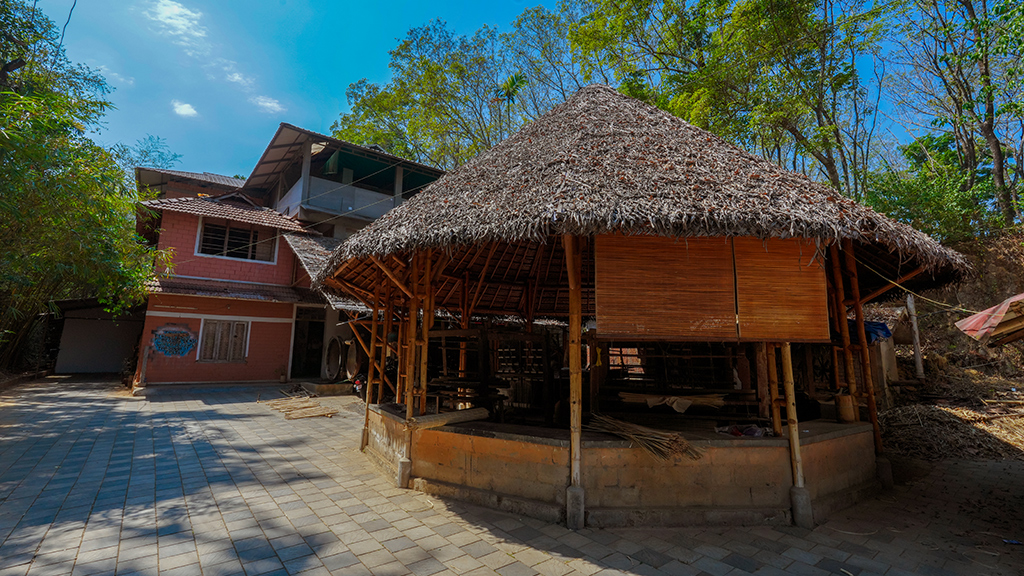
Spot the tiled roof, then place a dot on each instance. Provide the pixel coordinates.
(312, 251)
(226, 289)
(233, 209)
(246, 291)
(210, 177)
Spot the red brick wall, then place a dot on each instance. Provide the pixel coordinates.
(179, 232)
(269, 343)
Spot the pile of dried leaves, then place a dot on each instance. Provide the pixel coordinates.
(935, 432)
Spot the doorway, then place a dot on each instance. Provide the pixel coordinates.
(308, 346)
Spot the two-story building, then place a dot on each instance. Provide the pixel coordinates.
(236, 306)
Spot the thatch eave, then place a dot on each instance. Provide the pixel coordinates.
(604, 163)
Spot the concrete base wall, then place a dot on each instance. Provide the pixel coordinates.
(736, 482)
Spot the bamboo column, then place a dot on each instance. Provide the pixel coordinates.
(764, 400)
(389, 311)
(410, 338)
(802, 515)
(464, 306)
(424, 340)
(374, 341)
(574, 494)
(844, 329)
(773, 389)
(865, 354)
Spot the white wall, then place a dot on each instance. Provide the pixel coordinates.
(343, 198)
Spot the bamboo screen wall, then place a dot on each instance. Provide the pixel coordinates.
(782, 292)
(650, 287)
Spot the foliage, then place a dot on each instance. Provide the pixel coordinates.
(68, 208)
(933, 194)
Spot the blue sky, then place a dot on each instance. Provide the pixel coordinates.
(216, 78)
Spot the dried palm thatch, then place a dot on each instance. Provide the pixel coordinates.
(658, 443)
(603, 162)
(938, 432)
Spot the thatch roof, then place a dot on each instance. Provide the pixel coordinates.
(603, 162)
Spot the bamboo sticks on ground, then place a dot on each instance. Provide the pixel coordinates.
(299, 407)
(658, 443)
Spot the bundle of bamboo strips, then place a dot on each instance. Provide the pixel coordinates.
(299, 407)
(658, 443)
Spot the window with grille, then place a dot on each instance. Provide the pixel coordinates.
(237, 241)
(223, 341)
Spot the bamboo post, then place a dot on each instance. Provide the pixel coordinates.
(865, 354)
(410, 340)
(844, 328)
(424, 340)
(802, 514)
(389, 310)
(764, 400)
(773, 390)
(918, 361)
(574, 494)
(464, 306)
(373, 354)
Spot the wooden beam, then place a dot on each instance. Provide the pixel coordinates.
(390, 274)
(410, 340)
(480, 281)
(891, 284)
(865, 354)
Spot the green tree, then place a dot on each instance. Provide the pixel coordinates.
(780, 77)
(67, 206)
(439, 106)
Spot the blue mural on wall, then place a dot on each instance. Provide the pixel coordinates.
(174, 341)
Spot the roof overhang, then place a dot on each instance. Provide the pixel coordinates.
(286, 148)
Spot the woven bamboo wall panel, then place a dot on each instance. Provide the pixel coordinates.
(782, 292)
(655, 287)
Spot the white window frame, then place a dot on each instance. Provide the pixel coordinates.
(202, 331)
(199, 242)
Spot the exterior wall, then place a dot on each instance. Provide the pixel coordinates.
(386, 441)
(268, 346)
(180, 231)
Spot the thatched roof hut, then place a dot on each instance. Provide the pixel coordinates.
(603, 162)
(664, 234)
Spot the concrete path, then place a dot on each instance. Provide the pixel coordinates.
(211, 483)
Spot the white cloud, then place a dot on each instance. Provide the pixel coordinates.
(267, 104)
(238, 78)
(181, 24)
(183, 109)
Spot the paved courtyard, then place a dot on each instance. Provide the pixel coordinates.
(95, 482)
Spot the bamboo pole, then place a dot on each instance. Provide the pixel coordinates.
(424, 339)
(844, 327)
(389, 321)
(918, 361)
(764, 401)
(464, 305)
(791, 421)
(773, 390)
(865, 354)
(410, 339)
(370, 370)
(573, 265)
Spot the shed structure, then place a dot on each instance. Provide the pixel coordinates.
(697, 269)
